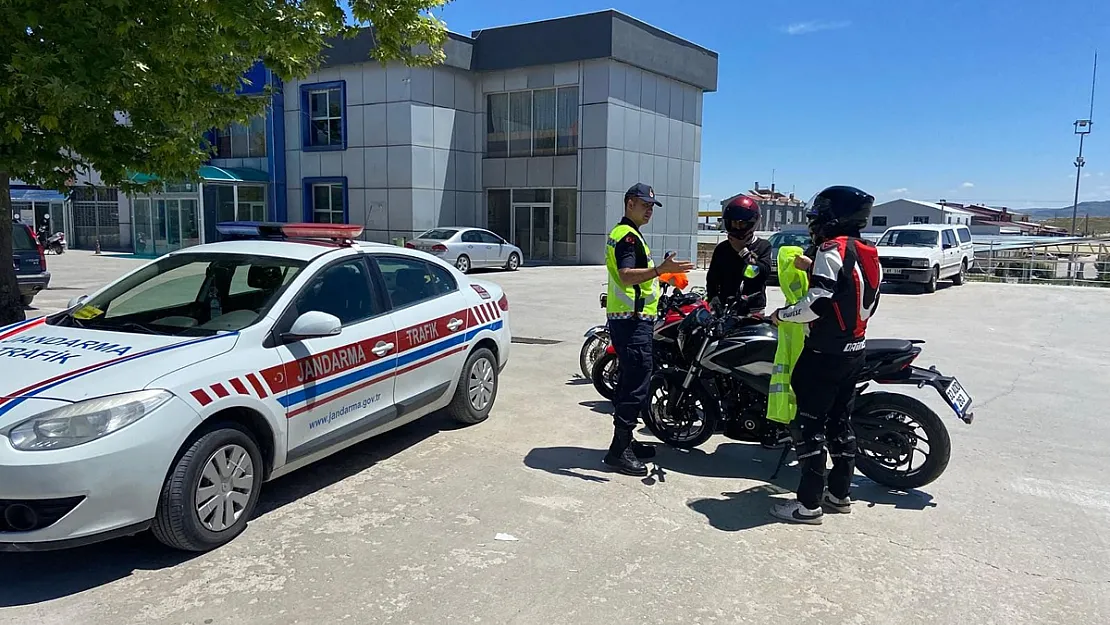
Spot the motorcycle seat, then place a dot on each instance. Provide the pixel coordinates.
(883, 347)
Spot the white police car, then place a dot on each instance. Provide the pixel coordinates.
(167, 398)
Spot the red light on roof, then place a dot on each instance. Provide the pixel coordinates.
(321, 231)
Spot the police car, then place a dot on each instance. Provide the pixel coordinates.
(168, 397)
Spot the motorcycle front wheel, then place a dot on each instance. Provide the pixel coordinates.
(591, 350)
(605, 374)
(680, 419)
(902, 443)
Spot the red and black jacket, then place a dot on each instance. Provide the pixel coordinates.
(843, 294)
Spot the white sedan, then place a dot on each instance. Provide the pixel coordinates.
(469, 248)
(167, 398)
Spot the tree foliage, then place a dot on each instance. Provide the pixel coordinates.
(132, 85)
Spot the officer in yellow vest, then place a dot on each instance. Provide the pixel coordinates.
(631, 308)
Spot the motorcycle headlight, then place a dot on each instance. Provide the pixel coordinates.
(921, 263)
(85, 421)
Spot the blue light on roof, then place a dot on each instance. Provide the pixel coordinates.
(249, 228)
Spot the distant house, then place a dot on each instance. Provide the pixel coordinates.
(904, 212)
(1003, 221)
(778, 209)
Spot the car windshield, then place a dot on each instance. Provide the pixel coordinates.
(187, 295)
(21, 239)
(782, 239)
(909, 238)
(440, 234)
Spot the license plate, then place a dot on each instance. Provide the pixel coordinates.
(892, 272)
(958, 398)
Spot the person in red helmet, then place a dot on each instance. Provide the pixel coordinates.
(740, 264)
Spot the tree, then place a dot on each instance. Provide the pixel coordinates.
(133, 85)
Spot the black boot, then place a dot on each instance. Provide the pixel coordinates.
(642, 451)
(621, 457)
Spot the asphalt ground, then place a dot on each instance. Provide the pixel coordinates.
(403, 528)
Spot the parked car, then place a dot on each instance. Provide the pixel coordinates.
(925, 254)
(166, 399)
(782, 239)
(468, 248)
(30, 262)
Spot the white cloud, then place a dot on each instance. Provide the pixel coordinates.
(899, 190)
(814, 26)
(705, 196)
(1087, 175)
(967, 185)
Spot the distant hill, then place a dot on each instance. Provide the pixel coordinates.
(1094, 209)
(1094, 225)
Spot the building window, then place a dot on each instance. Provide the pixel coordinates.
(920, 219)
(541, 122)
(323, 108)
(878, 221)
(242, 140)
(325, 200)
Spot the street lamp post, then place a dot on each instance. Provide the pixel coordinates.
(1082, 128)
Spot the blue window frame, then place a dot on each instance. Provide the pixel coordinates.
(324, 116)
(326, 200)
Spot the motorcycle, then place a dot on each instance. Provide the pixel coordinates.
(672, 309)
(56, 244)
(597, 339)
(724, 382)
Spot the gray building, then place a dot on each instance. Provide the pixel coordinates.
(534, 131)
(905, 212)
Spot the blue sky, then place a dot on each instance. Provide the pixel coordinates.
(968, 100)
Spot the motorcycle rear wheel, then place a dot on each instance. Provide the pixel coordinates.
(593, 348)
(677, 430)
(605, 375)
(887, 443)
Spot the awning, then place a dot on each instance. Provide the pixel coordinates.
(211, 173)
(36, 195)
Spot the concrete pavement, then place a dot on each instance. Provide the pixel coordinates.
(402, 529)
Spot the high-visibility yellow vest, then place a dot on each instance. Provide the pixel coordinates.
(627, 302)
(782, 404)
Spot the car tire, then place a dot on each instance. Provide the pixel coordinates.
(958, 279)
(462, 263)
(177, 523)
(26, 299)
(477, 388)
(514, 262)
(931, 285)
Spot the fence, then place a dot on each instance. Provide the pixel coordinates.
(1080, 263)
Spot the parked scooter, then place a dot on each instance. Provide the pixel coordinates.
(56, 244)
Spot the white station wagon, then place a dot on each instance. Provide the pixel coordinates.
(168, 397)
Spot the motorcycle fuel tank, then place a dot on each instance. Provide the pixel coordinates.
(748, 350)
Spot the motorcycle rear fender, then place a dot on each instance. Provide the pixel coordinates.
(596, 330)
(921, 377)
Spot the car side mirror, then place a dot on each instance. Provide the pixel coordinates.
(948, 246)
(77, 301)
(313, 324)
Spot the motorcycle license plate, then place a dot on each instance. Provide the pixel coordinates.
(958, 398)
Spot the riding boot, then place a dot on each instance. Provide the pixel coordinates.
(621, 458)
(641, 450)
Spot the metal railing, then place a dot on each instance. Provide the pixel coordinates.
(1078, 263)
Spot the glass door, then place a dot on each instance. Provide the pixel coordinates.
(190, 224)
(532, 231)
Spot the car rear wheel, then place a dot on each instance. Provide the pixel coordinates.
(958, 279)
(211, 491)
(477, 388)
(462, 263)
(27, 299)
(514, 262)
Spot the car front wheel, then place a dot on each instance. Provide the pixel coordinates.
(514, 262)
(211, 491)
(477, 389)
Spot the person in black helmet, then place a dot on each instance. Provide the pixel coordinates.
(741, 263)
(844, 278)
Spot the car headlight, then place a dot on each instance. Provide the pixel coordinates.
(921, 263)
(84, 421)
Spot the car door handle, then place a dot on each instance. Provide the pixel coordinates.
(454, 324)
(382, 348)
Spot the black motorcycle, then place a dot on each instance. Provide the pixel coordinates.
(725, 381)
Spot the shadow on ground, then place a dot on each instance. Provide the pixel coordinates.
(732, 511)
(30, 578)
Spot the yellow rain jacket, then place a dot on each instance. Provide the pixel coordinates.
(781, 402)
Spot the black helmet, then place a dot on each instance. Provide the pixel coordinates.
(740, 217)
(838, 211)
